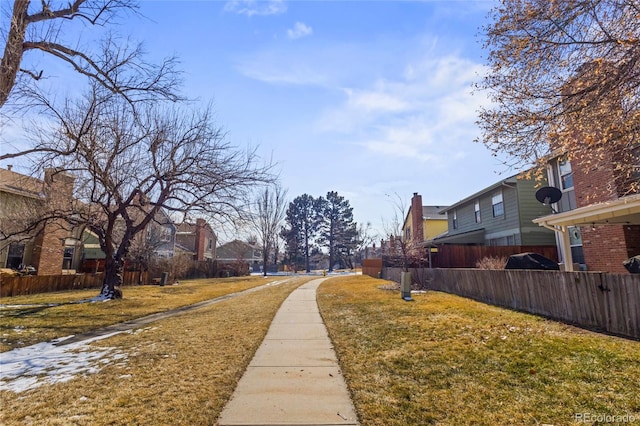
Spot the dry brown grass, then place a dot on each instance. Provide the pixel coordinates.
(30, 319)
(447, 360)
(181, 370)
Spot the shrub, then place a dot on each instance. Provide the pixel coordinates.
(491, 263)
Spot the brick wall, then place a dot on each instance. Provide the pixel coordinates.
(594, 183)
(605, 246)
(48, 249)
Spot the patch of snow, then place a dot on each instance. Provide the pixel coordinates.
(27, 368)
(32, 305)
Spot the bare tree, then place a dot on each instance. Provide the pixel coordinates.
(402, 247)
(564, 76)
(268, 218)
(46, 26)
(365, 238)
(145, 246)
(129, 166)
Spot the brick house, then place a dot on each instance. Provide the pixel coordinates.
(197, 240)
(597, 223)
(43, 248)
(598, 217)
(56, 248)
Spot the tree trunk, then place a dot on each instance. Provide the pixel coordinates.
(331, 254)
(306, 255)
(265, 260)
(112, 281)
(12, 56)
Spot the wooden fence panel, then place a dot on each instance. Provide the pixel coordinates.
(33, 284)
(600, 301)
(459, 256)
(372, 267)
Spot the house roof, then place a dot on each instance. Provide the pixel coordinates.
(19, 184)
(622, 211)
(428, 212)
(470, 237)
(190, 227)
(433, 212)
(186, 228)
(510, 181)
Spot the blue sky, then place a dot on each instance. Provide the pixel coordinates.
(366, 98)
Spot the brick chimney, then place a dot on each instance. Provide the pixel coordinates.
(48, 249)
(417, 229)
(201, 234)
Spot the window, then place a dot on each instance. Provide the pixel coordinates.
(14, 257)
(165, 234)
(67, 259)
(575, 244)
(407, 234)
(565, 173)
(455, 220)
(497, 204)
(476, 207)
(635, 171)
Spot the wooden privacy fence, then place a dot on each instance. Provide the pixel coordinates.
(459, 256)
(32, 284)
(594, 300)
(372, 267)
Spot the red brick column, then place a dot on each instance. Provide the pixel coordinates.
(200, 239)
(416, 218)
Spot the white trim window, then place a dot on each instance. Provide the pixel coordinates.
(566, 174)
(497, 204)
(455, 220)
(476, 208)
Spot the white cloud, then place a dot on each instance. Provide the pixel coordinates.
(299, 74)
(375, 101)
(256, 7)
(299, 30)
(427, 112)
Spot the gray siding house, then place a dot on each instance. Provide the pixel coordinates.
(499, 215)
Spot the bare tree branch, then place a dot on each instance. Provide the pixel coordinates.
(564, 76)
(127, 167)
(114, 64)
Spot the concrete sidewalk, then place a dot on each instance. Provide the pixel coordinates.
(294, 377)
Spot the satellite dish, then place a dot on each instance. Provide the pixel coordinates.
(548, 195)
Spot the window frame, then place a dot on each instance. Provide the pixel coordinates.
(565, 176)
(497, 207)
(476, 210)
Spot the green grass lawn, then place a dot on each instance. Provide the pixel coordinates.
(446, 360)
